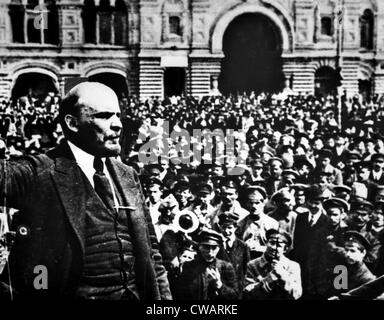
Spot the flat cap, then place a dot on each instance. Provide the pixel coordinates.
(283, 235)
(356, 237)
(209, 237)
(336, 203)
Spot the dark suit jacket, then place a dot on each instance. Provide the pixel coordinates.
(50, 193)
(239, 256)
(194, 285)
(307, 244)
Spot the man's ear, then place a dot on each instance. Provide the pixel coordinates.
(71, 122)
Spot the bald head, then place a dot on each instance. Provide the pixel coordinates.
(84, 94)
(90, 117)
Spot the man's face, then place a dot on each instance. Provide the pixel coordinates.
(187, 255)
(254, 204)
(203, 198)
(276, 169)
(378, 165)
(334, 215)
(228, 230)
(275, 247)
(99, 126)
(354, 254)
(314, 205)
(154, 193)
(378, 217)
(229, 195)
(183, 196)
(324, 162)
(360, 218)
(363, 173)
(208, 251)
(287, 202)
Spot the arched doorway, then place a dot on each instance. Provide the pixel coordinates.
(252, 46)
(34, 84)
(113, 80)
(325, 81)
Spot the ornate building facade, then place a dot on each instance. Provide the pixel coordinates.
(162, 47)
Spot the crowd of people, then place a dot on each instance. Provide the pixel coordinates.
(288, 190)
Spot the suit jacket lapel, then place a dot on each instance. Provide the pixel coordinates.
(70, 185)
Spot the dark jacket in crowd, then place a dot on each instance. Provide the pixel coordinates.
(194, 284)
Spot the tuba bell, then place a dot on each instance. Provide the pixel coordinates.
(186, 222)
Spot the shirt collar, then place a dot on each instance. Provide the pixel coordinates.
(80, 155)
(85, 161)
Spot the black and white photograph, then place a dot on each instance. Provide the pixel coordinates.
(194, 151)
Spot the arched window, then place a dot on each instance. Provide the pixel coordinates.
(326, 26)
(120, 23)
(89, 21)
(366, 30)
(35, 22)
(17, 13)
(105, 24)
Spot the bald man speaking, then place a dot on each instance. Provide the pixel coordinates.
(82, 212)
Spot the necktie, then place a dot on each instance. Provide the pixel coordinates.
(102, 186)
(311, 220)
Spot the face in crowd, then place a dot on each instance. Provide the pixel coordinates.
(255, 203)
(315, 205)
(335, 216)
(378, 164)
(208, 251)
(360, 218)
(187, 255)
(228, 230)
(229, 195)
(91, 116)
(183, 196)
(354, 252)
(276, 169)
(286, 201)
(276, 247)
(154, 193)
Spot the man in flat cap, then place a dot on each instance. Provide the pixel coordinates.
(377, 173)
(154, 193)
(353, 157)
(83, 214)
(229, 195)
(201, 205)
(299, 194)
(324, 166)
(207, 277)
(233, 249)
(360, 220)
(252, 228)
(331, 253)
(356, 247)
(183, 194)
(283, 213)
(273, 276)
(272, 183)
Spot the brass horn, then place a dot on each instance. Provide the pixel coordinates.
(186, 222)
